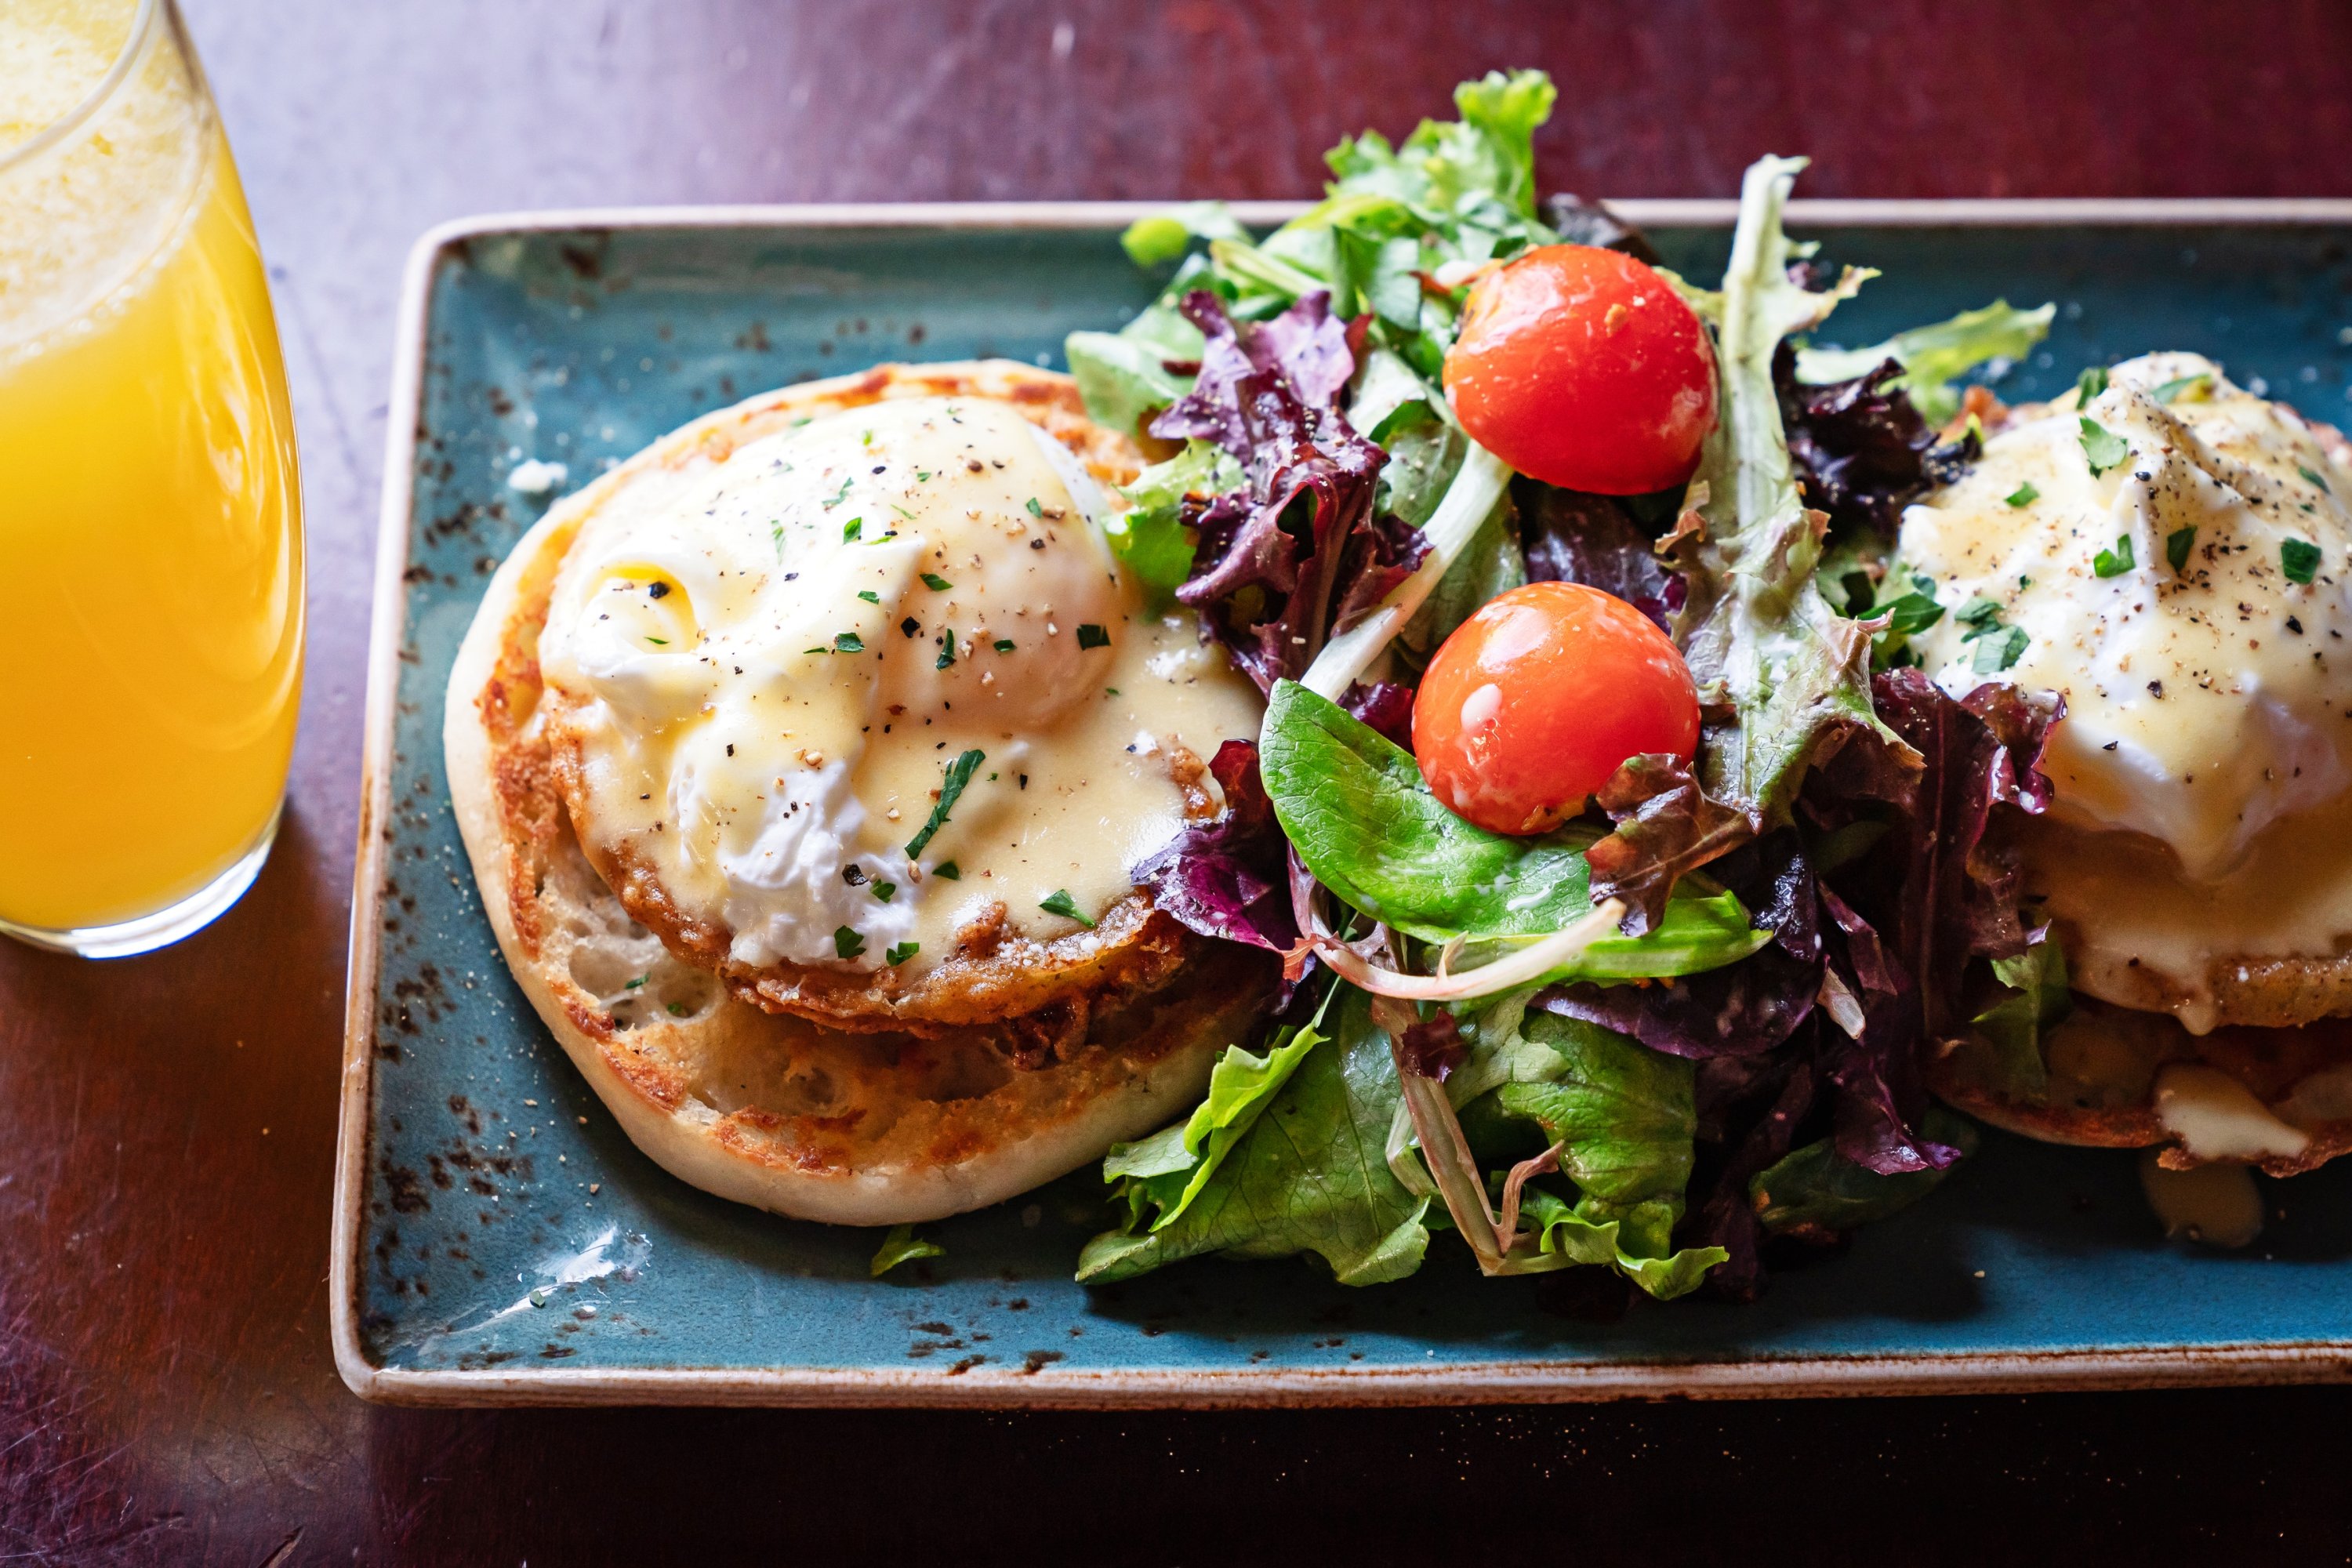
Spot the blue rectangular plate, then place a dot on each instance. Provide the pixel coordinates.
(499, 1241)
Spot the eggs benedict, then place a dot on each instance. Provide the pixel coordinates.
(802, 758)
(2169, 554)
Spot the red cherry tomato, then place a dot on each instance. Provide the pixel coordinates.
(1535, 701)
(1583, 368)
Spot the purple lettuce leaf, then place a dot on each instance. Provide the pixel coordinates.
(1946, 890)
(1278, 559)
(1569, 537)
(1861, 447)
(1881, 1100)
(1432, 1047)
(1665, 825)
(1227, 877)
(1751, 1110)
(1742, 1009)
(1386, 707)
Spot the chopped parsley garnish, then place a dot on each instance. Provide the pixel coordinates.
(2117, 562)
(1004, 645)
(870, 595)
(947, 649)
(1997, 646)
(1998, 652)
(852, 529)
(2314, 479)
(1092, 635)
(948, 872)
(848, 642)
(958, 774)
(902, 511)
(2299, 558)
(2177, 547)
(923, 476)
(1914, 612)
(776, 533)
(1060, 903)
(848, 943)
(677, 1009)
(1034, 509)
(898, 953)
(2169, 390)
(2102, 448)
(936, 583)
(883, 890)
(2024, 495)
(840, 495)
(633, 984)
(663, 641)
(2089, 384)
(1981, 613)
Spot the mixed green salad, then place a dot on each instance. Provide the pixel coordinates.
(1620, 871)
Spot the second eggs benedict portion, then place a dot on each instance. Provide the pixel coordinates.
(2170, 556)
(867, 719)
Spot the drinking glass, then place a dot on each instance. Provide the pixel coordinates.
(151, 525)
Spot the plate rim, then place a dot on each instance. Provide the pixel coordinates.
(1543, 1382)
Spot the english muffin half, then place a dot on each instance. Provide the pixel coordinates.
(843, 1073)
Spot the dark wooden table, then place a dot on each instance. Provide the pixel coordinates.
(166, 1124)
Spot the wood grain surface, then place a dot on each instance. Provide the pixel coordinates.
(166, 1124)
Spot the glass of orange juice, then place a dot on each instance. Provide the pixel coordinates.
(151, 524)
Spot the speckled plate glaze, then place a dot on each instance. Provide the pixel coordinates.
(499, 1241)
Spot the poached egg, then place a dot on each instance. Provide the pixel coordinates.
(867, 678)
(2171, 556)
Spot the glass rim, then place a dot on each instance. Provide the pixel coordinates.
(142, 22)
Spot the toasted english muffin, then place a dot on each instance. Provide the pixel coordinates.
(2124, 1078)
(996, 967)
(763, 1104)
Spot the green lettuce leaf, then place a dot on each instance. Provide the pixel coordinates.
(902, 1246)
(1358, 811)
(1760, 637)
(1454, 190)
(1623, 1112)
(1450, 169)
(1124, 376)
(1164, 237)
(1814, 1188)
(2014, 1026)
(1937, 354)
(1636, 1244)
(1149, 535)
(1308, 1175)
(1626, 1121)
(1122, 379)
(1169, 1169)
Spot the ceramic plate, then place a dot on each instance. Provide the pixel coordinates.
(497, 1240)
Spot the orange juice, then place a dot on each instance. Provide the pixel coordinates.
(150, 519)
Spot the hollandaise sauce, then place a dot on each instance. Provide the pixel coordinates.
(871, 678)
(151, 534)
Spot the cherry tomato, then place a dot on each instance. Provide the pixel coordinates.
(1535, 701)
(1583, 368)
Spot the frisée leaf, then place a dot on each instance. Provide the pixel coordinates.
(1935, 355)
(1758, 636)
